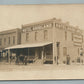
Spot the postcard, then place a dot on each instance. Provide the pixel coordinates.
(42, 42)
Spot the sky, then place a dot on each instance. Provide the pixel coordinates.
(13, 16)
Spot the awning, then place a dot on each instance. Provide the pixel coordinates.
(29, 45)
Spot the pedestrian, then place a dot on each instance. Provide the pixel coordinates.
(25, 60)
(68, 60)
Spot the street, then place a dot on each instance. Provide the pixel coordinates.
(40, 72)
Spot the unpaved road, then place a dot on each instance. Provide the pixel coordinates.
(42, 72)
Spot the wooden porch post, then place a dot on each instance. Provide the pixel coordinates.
(36, 53)
(28, 53)
(9, 55)
(42, 54)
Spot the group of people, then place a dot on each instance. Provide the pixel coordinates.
(19, 59)
(67, 60)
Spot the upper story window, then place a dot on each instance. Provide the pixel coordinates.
(4, 41)
(8, 40)
(13, 39)
(27, 36)
(36, 33)
(0, 41)
(65, 35)
(45, 34)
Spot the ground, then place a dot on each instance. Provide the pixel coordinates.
(41, 71)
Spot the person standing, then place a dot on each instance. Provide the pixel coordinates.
(25, 60)
(68, 60)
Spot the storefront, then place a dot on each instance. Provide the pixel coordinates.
(33, 52)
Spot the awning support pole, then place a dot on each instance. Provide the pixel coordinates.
(28, 53)
(43, 55)
(36, 53)
(9, 55)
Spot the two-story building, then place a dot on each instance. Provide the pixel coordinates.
(9, 38)
(51, 41)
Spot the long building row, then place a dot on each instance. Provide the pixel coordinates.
(50, 41)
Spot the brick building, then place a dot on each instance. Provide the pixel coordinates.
(51, 41)
(9, 38)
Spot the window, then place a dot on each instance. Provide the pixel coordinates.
(64, 51)
(4, 41)
(8, 40)
(13, 39)
(36, 35)
(45, 34)
(47, 25)
(65, 35)
(0, 41)
(27, 36)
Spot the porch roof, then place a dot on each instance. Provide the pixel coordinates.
(29, 45)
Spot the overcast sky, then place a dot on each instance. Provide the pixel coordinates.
(13, 16)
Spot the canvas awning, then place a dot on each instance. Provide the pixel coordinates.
(29, 45)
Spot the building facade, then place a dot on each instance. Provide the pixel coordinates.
(66, 41)
(9, 38)
(50, 41)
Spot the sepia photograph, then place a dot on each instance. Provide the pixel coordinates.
(42, 42)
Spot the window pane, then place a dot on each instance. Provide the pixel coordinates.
(45, 34)
(5, 41)
(8, 40)
(27, 36)
(13, 39)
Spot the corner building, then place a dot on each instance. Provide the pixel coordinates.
(52, 41)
